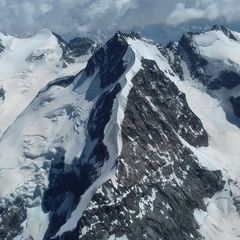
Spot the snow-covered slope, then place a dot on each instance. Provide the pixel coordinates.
(164, 119)
(27, 65)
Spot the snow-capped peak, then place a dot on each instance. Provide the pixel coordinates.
(218, 46)
(226, 31)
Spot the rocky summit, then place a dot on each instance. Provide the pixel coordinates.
(120, 141)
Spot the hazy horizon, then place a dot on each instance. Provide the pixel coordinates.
(70, 18)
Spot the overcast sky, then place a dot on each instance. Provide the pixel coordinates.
(82, 17)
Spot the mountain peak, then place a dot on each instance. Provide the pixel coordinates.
(219, 27)
(132, 35)
(225, 30)
(109, 59)
(61, 41)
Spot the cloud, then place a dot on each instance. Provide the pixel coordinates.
(82, 17)
(63, 16)
(45, 8)
(205, 9)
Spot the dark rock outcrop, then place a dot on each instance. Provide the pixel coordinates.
(2, 93)
(236, 105)
(193, 59)
(75, 48)
(13, 213)
(159, 180)
(1, 46)
(227, 79)
(109, 60)
(175, 63)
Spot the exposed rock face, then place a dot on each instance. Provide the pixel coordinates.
(227, 79)
(175, 62)
(75, 48)
(236, 105)
(110, 60)
(1, 46)
(2, 93)
(194, 61)
(12, 213)
(159, 182)
(80, 46)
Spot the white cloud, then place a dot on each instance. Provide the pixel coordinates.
(85, 16)
(45, 8)
(63, 16)
(205, 9)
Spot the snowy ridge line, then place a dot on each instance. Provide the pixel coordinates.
(113, 130)
(112, 139)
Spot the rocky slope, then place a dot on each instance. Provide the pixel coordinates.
(164, 189)
(141, 144)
